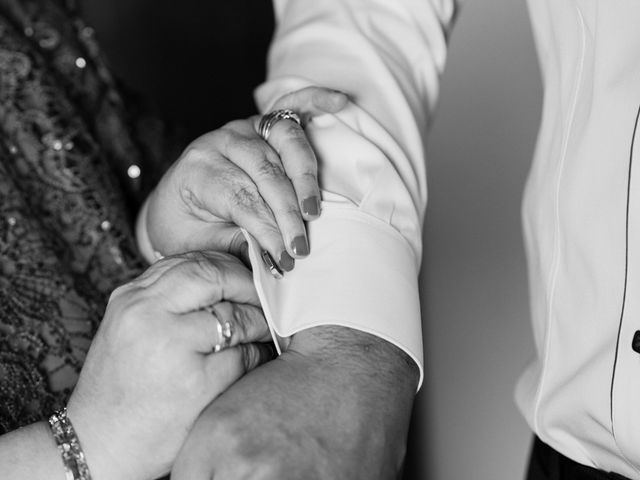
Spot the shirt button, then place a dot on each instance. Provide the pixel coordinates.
(636, 342)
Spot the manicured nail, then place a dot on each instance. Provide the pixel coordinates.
(311, 206)
(286, 262)
(300, 246)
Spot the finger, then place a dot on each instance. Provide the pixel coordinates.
(225, 367)
(312, 101)
(300, 164)
(249, 210)
(197, 279)
(261, 163)
(231, 194)
(205, 328)
(248, 324)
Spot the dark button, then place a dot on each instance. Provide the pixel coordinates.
(636, 342)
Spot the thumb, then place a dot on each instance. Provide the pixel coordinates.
(312, 101)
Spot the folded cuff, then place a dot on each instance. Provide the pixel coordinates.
(361, 274)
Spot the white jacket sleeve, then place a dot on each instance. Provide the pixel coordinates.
(366, 248)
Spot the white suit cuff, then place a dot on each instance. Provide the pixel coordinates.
(361, 274)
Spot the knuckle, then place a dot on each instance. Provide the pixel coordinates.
(245, 127)
(240, 321)
(194, 155)
(190, 198)
(247, 146)
(292, 213)
(120, 292)
(244, 196)
(270, 170)
(196, 266)
(309, 176)
(132, 319)
(269, 229)
(228, 135)
(205, 266)
(293, 210)
(293, 131)
(271, 155)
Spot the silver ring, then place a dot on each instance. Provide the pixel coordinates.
(224, 331)
(270, 119)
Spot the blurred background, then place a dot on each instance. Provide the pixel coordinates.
(199, 62)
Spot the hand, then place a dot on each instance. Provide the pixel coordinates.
(335, 405)
(232, 178)
(150, 369)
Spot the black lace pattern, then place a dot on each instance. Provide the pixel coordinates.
(73, 163)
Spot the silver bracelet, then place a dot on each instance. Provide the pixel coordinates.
(73, 458)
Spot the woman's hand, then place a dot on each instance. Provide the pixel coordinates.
(233, 178)
(150, 370)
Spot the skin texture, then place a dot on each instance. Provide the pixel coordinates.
(150, 369)
(232, 178)
(335, 405)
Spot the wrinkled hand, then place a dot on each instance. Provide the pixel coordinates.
(232, 178)
(336, 405)
(150, 369)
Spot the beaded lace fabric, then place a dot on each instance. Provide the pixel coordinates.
(73, 161)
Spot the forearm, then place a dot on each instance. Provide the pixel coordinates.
(335, 397)
(30, 453)
(362, 373)
(366, 247)
(356, 351)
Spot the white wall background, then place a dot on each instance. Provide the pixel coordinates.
(474, 286)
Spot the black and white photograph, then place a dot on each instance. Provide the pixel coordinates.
(319, 240)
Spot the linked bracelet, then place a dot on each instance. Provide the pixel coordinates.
(73, 458)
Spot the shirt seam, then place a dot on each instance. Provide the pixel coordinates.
(357, 213)
(552, 282)
(624, 295)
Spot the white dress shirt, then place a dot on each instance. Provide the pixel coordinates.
(581, 209)
(582, 231)
(366, 247)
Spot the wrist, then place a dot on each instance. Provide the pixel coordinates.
(361, 352)
(104, 452)
(367, 375)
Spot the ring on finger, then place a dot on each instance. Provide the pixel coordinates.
(224, 331)
(270, 119)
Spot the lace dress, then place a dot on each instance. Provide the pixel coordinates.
(74, 162)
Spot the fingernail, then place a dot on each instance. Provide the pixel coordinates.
(300, 246)
(286, 262)
(311, 206)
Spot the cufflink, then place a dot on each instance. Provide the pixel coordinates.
(271, 265)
